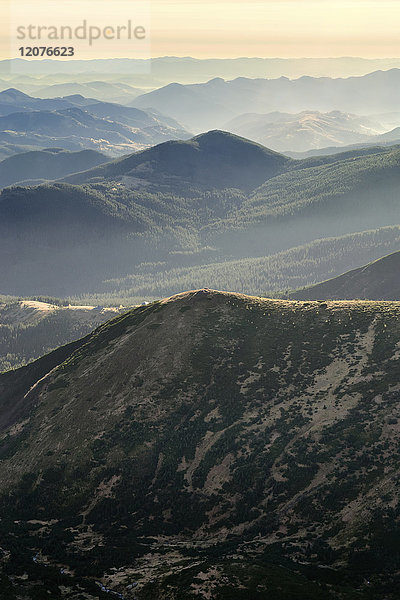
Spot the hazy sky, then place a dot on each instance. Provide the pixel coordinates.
(276, 28)
(231, 28)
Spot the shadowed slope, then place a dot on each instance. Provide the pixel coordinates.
(210, 426)
(379, 280)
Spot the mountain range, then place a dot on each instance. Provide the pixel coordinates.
(163, 444)
(210, 445)
(13, 100)
(167, 69)
(288, 115)
(203, 106)
(54, 86)
(216, 199)
(104, 91)
(78, 123)
(300, 132)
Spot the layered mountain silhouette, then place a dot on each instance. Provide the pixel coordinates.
(300, 132)
(215, 198)
(13, 100)
(106, 91)
(188, 69)
(75, 122)
(201, 106)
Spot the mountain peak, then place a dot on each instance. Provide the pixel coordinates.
(13, 93)
(215, 81)
(215, 159)
(198, 296)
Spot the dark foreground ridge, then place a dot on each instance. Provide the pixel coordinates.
(209, 445)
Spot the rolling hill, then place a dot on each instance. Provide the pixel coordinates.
(379, 280)
(29, 328)
(48, 164)
(75, 122)
(214, 159)
(209, 445)
(8, 148)
(215, 199)
(76, 128)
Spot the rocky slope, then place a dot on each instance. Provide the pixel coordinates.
(210, 445)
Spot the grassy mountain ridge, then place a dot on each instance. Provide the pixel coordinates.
(23, 339)
(207, 430)
(29, 329)
(16, 384)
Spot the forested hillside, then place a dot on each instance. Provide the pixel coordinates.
(186, 212)
(273, 275)
(29, 329)
(379, 280)
(48, 164)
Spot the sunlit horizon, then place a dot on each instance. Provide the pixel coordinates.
(266, 29)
